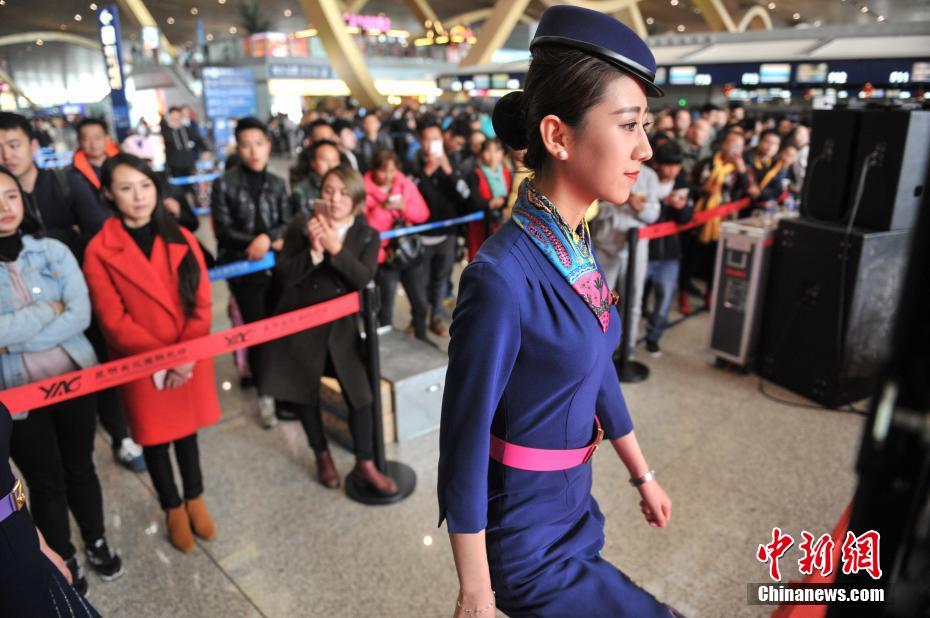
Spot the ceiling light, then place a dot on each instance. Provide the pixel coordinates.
(796, 16)
(650, 21)
(771, 6)
(287, 12)
(77, 17)
(881, 18)
(673, 2)
(194, 10)
(170, 20)
(93, 6)
(209, 36)
(864, 9)
(62, 26)
(680, 28)
(40, 42)
(233, 30)
(221, 1)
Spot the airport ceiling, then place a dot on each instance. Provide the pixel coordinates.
(178, 18)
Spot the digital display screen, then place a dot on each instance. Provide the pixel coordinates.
(775, 73)
(920, 72)
(810, 73)
(482, 82)
(499, 80)
(682, 76)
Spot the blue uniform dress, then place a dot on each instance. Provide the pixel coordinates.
(530, 363)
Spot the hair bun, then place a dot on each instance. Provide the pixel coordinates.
(509, 120)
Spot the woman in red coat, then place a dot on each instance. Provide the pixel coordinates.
(149, 288)
(489, 186)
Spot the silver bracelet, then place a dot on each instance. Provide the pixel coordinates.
(649, 476)
(477, 611)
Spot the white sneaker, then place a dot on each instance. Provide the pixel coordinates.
(266, 411)
(129, 454)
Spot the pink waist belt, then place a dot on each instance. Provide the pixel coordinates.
(543, 459)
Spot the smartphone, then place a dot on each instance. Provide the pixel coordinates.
(319, 207)
(159, 379)
(435, 148)
(394, 198)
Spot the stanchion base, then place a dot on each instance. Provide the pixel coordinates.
(402, 474)
(632, 371)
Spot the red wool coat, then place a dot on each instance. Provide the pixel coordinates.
(138, 306)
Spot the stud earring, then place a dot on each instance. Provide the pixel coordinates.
(563, 155)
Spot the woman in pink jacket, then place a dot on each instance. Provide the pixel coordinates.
(392, 200)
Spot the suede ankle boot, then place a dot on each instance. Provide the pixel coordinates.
(179, 529)
(201, 522)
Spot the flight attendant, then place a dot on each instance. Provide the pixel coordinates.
(531, 388)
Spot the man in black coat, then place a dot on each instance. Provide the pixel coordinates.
(444, 192)
(250, 214)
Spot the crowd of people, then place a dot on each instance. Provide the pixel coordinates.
(100, 261)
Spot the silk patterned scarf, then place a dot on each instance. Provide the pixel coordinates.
(569, 251)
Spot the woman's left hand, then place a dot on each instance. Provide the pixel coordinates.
(328, 235)
(54, 558)
(655, 504)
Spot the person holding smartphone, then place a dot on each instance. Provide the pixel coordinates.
(665, 252)
(326, 255)
(150, 289)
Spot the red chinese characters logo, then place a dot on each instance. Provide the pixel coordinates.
(857, 553)
(860, 553)
(773, 551)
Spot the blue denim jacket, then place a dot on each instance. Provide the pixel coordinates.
(51, 273)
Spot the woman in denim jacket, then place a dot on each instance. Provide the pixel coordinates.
(44, 310)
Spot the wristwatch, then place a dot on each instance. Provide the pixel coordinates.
(649, 476)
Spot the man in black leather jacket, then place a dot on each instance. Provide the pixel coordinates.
(251, 211)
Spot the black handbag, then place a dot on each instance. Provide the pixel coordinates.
(404, 251)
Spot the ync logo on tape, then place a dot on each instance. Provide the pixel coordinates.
(62, 387)
(236, 338)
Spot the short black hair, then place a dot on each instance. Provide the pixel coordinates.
(768, 132)
(668, 153)
(313, 148)
(90, 121)
(459, 128)
(250, 122)
(319, 122)
(426, 122)
(174, 108)
(10, 121)
(342, 124)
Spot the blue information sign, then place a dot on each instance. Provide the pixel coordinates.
(111, 44)
(229, 92)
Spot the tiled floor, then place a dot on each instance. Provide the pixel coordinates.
(735, 464)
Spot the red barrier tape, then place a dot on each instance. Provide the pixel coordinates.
(100, 377)
(669, 228)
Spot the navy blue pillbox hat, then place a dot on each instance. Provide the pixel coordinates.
(602, 36)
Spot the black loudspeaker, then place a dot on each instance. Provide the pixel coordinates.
(829, 308)
(830, 164)
(895, 182)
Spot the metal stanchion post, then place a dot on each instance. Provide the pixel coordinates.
(401, 474)
(629, 370)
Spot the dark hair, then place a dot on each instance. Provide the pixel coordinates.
(491, 141)
(301, 168)
(165, 226)
(10, 121)
(381, 157)
(341, 124)
(250, 122)
(561, 81)
(459, 128)
(174, 108)
(668, 153)
(32, 219)
(427, 122)
(317, 123)
(768, 132)
(91, 121)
